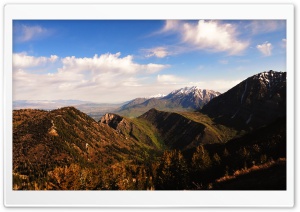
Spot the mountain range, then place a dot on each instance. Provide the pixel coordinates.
(230, 140)
(184, 99)
(93, 109)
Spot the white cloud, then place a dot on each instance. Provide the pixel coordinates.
(159, 52)
(132, 82)
(265, 48)
(164, 51)
(22, 60)
(111, 63)
(265, 26)
(169, 79)
(26, 33)
(81, 78)
(208, 35)
(171, 25)
(153, 68)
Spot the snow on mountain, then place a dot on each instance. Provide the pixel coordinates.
(255, 102)
(194, 91)
(270, 78)
(187, 98)
(185, 90)
(157, 96)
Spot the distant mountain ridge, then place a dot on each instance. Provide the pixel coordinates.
(93, 109)
(191, 97)
(46, 104)
(183, 99)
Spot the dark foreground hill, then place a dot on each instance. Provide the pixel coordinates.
(67, 135)
(255, 102)
(250, 158)
(49, 153)
(44, 141)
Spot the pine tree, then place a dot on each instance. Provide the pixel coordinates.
(201, 160)
(172, 172)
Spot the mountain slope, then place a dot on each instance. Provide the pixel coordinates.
(257, 160)
(137, 129)
(236, 140)
(179, 132)
(184, 99)
(133, 102)
(254, 102)
(44, 140)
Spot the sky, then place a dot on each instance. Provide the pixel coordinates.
(112, 61)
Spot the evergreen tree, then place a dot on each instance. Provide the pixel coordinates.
(201, 160)
(172, 172)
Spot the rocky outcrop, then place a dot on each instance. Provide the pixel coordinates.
(111, 119)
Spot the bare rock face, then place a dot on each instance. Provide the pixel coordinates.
(124, 126)
(119, 123)
(111, 119)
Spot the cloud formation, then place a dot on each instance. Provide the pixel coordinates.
(208, 35)
(22, 60)
(108, 63)
(265, 26)
(165, 51)
(169, 79)
(26, 33)
(265, 48)
(79, 76)
(99, 78)
(159, 52)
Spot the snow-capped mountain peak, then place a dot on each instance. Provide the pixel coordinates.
(185, 90)
(187, 98)
(195, 91)
(270, 78)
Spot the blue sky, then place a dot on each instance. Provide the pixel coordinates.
(115, 61)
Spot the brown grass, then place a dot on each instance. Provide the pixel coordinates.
(241, 172)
